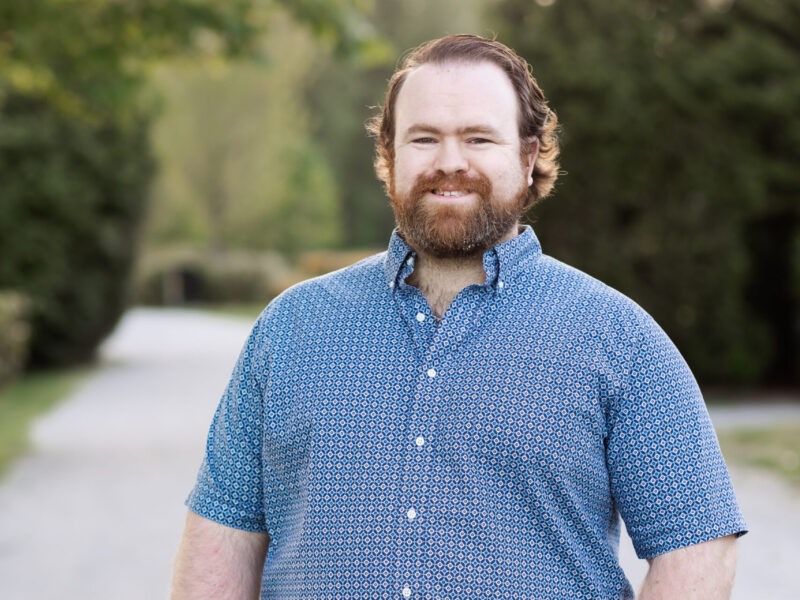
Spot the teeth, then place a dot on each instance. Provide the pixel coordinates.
(450, 193)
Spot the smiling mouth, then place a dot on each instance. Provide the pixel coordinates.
(450, 193)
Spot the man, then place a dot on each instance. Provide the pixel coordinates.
(461, 416)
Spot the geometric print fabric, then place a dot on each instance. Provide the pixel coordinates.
(490, 454)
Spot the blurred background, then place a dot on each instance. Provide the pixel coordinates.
(191, 153)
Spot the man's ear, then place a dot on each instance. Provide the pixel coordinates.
(530, 157)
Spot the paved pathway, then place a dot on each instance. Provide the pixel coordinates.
(96, 510)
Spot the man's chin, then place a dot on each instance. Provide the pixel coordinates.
(462, 229)
(449, 242)
(452, 251)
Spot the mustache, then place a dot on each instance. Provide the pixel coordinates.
(426, 183)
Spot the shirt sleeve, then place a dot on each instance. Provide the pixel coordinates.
(667, 474)
(229, 487)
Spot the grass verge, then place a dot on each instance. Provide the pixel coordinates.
(243, 311)
(25, 399)
(774, 448)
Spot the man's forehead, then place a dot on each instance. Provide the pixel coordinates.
(477, 90)
(457, 68)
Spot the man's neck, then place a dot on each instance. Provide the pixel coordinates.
(441, 279)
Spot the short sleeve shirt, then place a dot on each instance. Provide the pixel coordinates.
(489, 454)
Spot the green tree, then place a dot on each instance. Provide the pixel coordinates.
(678, 133)
(75, 156)
(238, 166)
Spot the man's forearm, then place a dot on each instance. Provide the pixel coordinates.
(701, 572)
(215, 562)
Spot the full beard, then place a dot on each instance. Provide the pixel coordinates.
(455, 231)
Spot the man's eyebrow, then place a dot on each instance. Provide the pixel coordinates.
(485, 129)
(425, 128)
(422, 128)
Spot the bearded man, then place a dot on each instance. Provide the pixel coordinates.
(460, 416)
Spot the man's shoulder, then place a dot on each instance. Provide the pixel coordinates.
(567, 286)
(363, 275)
(587, 306)
(587, 314)
(355, 283)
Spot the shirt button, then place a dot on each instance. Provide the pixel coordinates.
(420, 317)
(411, 514)
(391, 284)
(419, 441)
(406, 592)
(500, 284)
(431, 373)
(410, 260)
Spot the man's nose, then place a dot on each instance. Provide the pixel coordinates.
(450, 157)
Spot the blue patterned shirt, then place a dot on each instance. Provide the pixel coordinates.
(488, 455)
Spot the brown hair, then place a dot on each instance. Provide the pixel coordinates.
(536, 120)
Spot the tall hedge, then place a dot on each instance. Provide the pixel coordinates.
(72, 198)
(681, 187)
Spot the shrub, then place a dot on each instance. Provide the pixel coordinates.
(14, 334)
(70, 204)
(318, 262)
(183, 275)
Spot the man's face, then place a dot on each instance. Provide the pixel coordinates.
(459, 181)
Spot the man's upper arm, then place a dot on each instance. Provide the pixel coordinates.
(230, 485)
(702, 571)
(667, 474)
(225, 542)
(219, 562)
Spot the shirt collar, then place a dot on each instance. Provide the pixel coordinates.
(500, 262)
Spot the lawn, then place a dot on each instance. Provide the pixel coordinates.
(26, 398)
(248, 311)
(774, 448)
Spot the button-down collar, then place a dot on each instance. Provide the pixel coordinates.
(500, 263)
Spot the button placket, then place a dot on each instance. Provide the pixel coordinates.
(412, 523)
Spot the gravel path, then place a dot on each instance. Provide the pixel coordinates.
(96, 510)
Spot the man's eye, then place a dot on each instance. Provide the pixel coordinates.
(479, 141)
(424, 140)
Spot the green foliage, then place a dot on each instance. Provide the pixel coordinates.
(75, 156)
(344, 26)
(678, 122)
(71, 202)
(185, 275)
(25, 399)
(89, 56)
(776, 449)
(239, 168)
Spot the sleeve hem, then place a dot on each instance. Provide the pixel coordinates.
(649, 549)
(226, 515)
